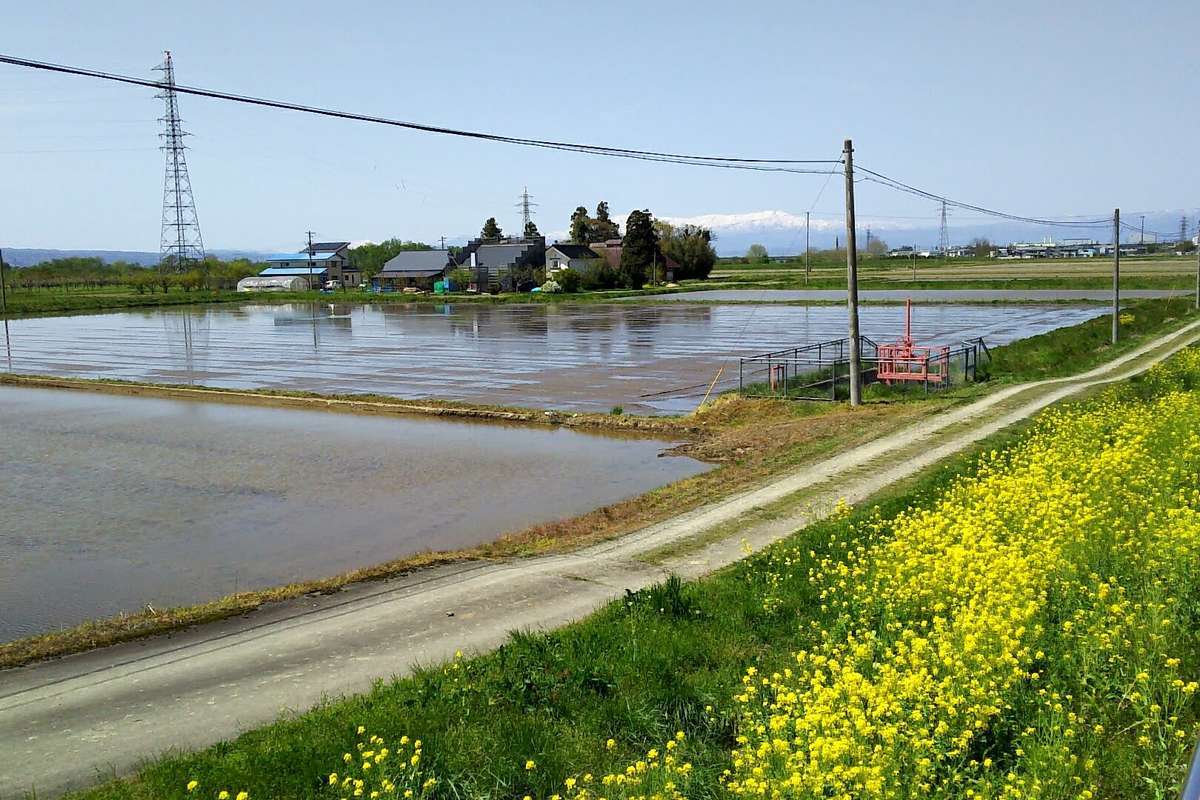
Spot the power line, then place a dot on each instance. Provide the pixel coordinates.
(892, 183)
(723, 162)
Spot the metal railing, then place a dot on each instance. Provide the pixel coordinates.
(821, 371)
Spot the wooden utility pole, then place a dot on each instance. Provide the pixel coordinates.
(3, 291)
(852, 278)
(4, 313)
(1116, 310)
(310, 255)
(807, 269)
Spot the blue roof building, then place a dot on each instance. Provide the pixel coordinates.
(327, 263)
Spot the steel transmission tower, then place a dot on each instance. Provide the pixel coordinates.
(944, 239)
(180, 243)
(526, 205)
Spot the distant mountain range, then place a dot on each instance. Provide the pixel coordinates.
(27, 257)
(782, 232)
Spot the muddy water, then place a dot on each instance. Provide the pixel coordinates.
(108, 503)
(587, 357)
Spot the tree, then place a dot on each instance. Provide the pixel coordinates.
(490, 230)
(461, 278)
(638, 251)
(757, 254)
(531, 231)
(603, 228)
(569, 280)
(877, 247)
(690, 246)
(981, 246)
(579, 225)
(369, 258)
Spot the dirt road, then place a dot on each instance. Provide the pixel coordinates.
(64, 723)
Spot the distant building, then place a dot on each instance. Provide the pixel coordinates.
(565, 255)
(413, 268)
(495, 263)
(324, 262)
(1069, 248)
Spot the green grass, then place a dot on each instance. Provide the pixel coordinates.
(636, 671)
(1081, 347)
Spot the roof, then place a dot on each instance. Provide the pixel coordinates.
(301, 272)
(413, 261)
(571, 250)
(324, 246)
(319, 255)
(410, 273)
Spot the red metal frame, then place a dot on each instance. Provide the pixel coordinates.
(904, 361)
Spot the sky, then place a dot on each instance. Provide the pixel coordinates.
(1066, 108)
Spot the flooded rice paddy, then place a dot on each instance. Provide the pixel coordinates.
(644, 358)
(919, 295)
(108, 503)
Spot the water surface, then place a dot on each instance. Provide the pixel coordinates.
(644, 358)
(108, 503)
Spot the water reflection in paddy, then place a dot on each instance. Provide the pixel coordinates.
(584, 357)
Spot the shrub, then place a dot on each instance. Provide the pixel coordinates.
(569, 280)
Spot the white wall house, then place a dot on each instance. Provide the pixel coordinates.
(577, 257)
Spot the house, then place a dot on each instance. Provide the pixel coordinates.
(323, 262)
(412, 269)
(577, 257)
(495, 263)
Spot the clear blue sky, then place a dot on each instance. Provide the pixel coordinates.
(1038, 108)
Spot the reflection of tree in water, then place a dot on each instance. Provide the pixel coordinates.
(187, 334)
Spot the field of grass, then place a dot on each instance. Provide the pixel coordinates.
(1021, 621)
(1141, 272)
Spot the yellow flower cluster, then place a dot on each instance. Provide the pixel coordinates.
(193, 786)
(375, 770)
(945, 616)
(662, 774)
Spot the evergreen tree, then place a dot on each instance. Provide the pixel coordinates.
(603, 228)
(490, 229)
(579, 226)
(638, 250)
(531, 230)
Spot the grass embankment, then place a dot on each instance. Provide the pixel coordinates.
(749, 439)
(1020, 621)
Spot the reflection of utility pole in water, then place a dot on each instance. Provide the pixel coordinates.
(4, 312)
(189, 358)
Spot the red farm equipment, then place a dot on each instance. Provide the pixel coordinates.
(905, 361)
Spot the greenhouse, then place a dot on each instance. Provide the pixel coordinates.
(276, 283)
